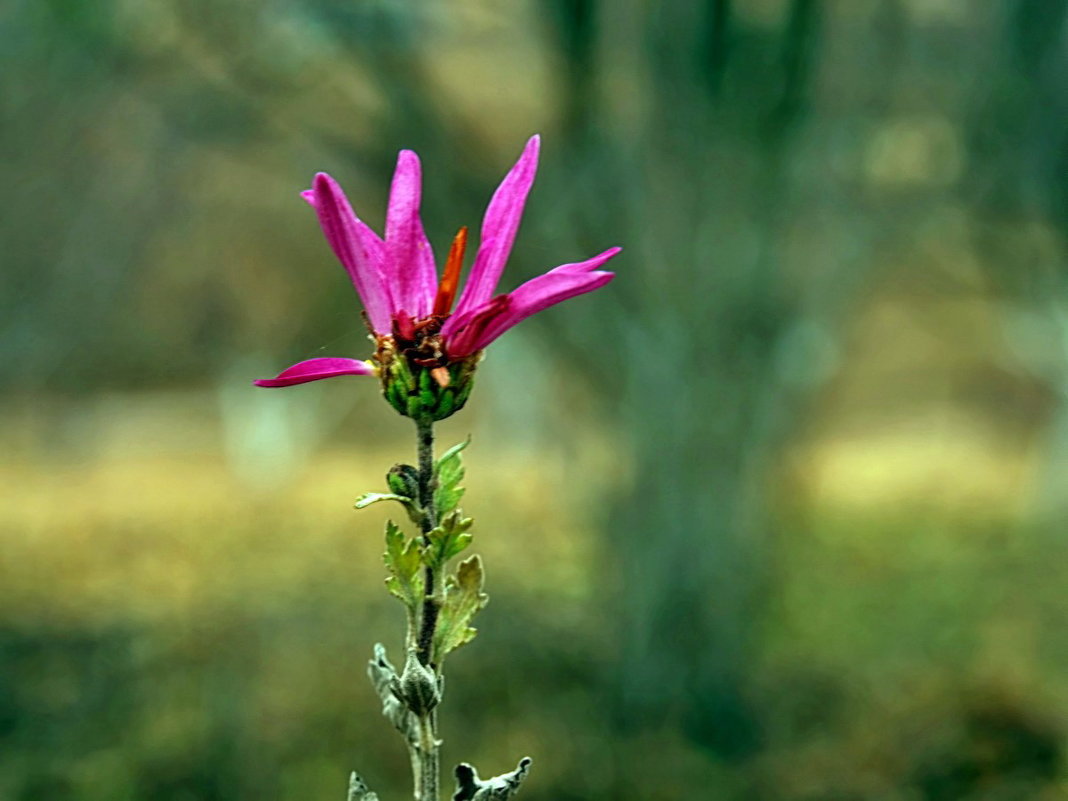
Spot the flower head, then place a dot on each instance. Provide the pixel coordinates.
(426, 351)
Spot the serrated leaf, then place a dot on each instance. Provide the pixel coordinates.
(447, 540)
(358, 790)
(444, 546)
(403, 558)
(463, 598)
(469, 787)
(449, 472)
(448, 498)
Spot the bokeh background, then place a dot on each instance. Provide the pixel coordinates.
(779, 515)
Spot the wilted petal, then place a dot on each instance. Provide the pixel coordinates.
(407, 248)
(315, 369)
(479, 328)
(499, 228)
(357, 247)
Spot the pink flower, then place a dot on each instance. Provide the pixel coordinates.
(407, 308)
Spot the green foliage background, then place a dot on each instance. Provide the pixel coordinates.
(778, 515)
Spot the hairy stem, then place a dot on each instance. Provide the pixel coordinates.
(429, 768)
(425, 433)
(426, 774)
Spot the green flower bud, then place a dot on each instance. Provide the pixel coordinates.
(403, 479)
(417, 688)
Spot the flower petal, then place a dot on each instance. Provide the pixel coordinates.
(469, 331)
(357, 247)
(407, 248)
(314, 369)
(477, 329)
(499, 228)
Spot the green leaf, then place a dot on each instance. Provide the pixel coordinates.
(449, 472)
(447, 540)
(446, 498)
(415, 514)
(450, 454)
(443, 546)
(403, 558)
(463, 598)
(369, 498)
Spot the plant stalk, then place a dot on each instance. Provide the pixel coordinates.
(425, 433)
(426, 777)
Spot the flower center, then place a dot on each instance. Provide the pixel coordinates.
(419, 342)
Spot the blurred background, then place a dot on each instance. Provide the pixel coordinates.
(778, 515)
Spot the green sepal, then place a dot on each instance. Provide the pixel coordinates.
(396, 396)
(446, 404)
(415, 387)
(449, 472)
(404, 560)
(403, 374)
(414, 407)
(447, 540)
(463, 598)
(465, 391)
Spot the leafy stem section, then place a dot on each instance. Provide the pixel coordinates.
(439, 610)
(439, 606)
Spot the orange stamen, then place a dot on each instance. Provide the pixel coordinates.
(450, 278)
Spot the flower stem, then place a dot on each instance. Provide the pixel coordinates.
(425, 433)
(426, 773)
